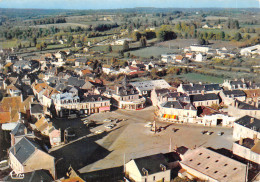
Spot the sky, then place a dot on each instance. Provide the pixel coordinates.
(115, 4)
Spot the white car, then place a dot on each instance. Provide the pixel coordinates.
(107, 120)
(148, 125)
(98, 131)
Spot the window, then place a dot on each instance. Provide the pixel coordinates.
(200, 154)
(190, 160)
(216, 172)
(208, 157)
(207, 167)
(145, 180)
(198, 164)
(154, 178)
(225, 165)
(224, 176)
(235, 169)
(216, 161)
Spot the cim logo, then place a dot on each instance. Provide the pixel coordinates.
(16, 176)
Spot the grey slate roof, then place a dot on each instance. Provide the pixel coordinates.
(35, 176)
(235, 93)
(203, 97)
(19, 130)
(36, 108)
(245, 121)
(245, 106)
(74, 81)
(178, 105)
(94, 98)
(151, 163)
(24, 149)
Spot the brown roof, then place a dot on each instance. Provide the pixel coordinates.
(12, 87)
(208, 111)
(41, 124)
(73, 179)
(12, 106)
(38, 87)
(179, 57)
(8, 64)
(5, 117)
(86, 71)
(252, 93)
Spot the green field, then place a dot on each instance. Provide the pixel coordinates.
(151, 51)
(196, 77)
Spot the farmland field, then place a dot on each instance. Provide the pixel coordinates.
(152, 51)
(196, 77)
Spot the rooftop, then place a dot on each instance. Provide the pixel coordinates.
(214, 165)
(249, 122)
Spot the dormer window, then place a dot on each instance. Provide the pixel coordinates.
(163, 167)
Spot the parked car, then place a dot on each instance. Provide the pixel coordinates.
(107, 120)
(98, 131)
(69, 132)
(148, 125)
(209, 132)
(175, 129)
(220, 133)
(203, 132)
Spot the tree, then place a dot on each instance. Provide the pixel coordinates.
(153, 73)
(126, 46)
(237, 36)
(136, 36)
(109, 48)
(39, 47)
(34, 41)
(165, 33)
(143, 42)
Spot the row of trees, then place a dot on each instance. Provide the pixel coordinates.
(46, 21)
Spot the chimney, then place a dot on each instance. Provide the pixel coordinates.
(252, 120)
(117, 90)
(25, 131)
(241, 141)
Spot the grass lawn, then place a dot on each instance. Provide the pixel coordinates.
(151, 51)
(196, 77)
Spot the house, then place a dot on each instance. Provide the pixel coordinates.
(208, 165)
(200, 57)
(248, 149)
(121, 41)
(204, 99)
(246, 127)
(55, 137)
(13, 91)
(179, 58)
(24, 157)
(249, 51)
(207, 26)
(159, 96)
(145, 87)
(19, 132)
(228, 96)
(149, 168)
(199, 88)
(13, 109)
(240, 109)
(199, 48)
(43, 126)
(125, 96)
(168, 58)
(252, 95)
(213, 117)
(189, 55)
(235, 85)
(177, 111)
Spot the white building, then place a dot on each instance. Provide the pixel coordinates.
(145, 87)
(210, 166)
(199, 48)
(150, 168)
(200, 58)
(249, 51)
